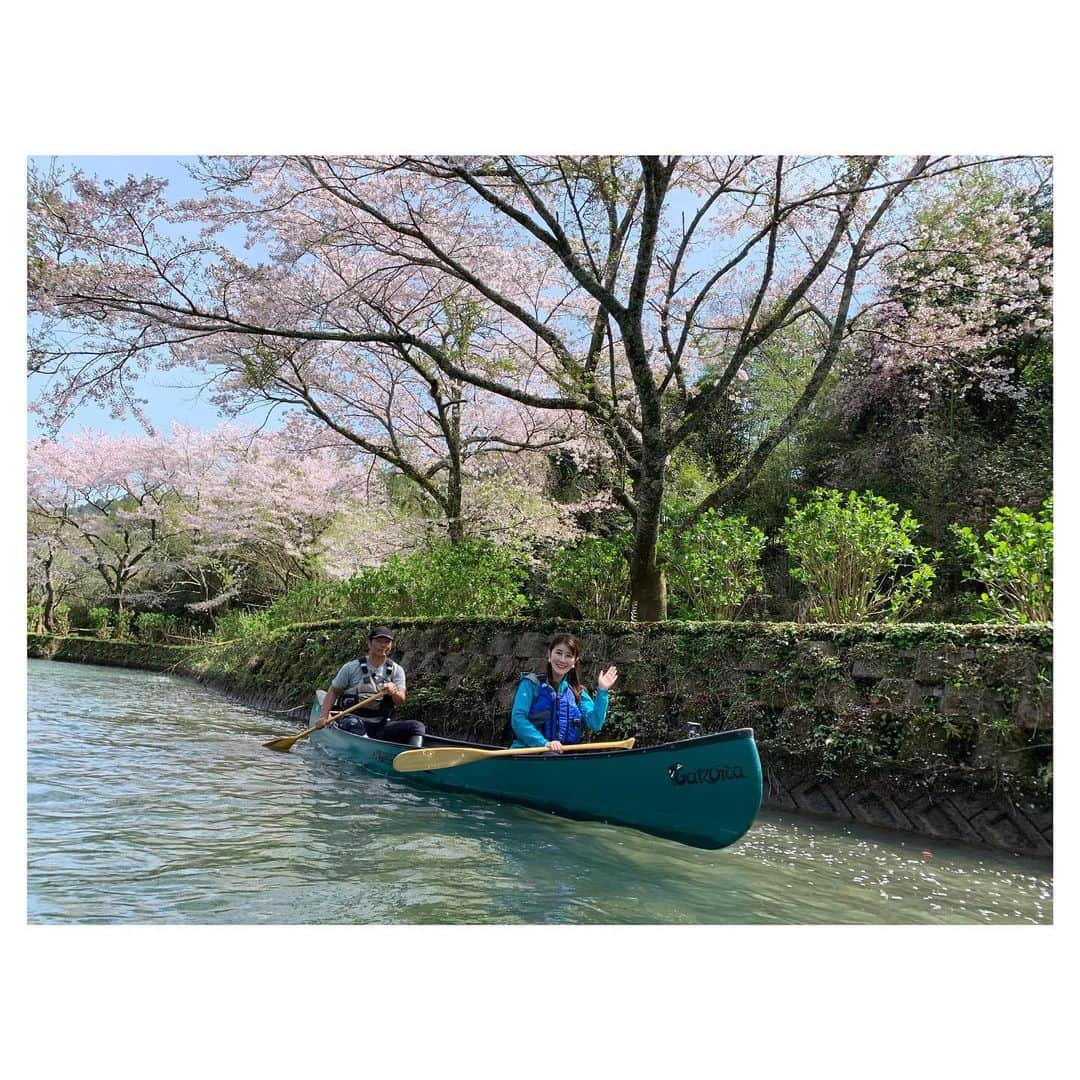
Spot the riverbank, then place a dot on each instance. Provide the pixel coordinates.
(940, 730)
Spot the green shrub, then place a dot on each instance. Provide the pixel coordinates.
(311, 601)
(856, 556)
(713, 568)
(240, 623)
(593, 576)
(156, 626)
(35, 618)
(1014, 562)
(470, 579)
(101, 622)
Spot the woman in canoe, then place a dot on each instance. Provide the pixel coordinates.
(553, 709)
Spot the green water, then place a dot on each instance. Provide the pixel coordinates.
(152, 800)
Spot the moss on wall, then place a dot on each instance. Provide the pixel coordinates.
(945, 709)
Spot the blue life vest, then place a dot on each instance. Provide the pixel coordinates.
(382, 709)
(555, 715)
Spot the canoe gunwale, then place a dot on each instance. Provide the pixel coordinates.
(696, 743)
(715, 823)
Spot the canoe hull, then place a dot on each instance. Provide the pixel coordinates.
(704, 792)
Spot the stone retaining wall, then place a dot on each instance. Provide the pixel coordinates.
(945, 731)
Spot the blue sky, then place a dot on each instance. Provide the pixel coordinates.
(173, 395)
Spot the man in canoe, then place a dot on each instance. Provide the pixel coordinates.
(553, 709)
(363, 677)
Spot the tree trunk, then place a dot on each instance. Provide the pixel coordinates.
(648, 588)
(48, 612)
(48, 607)
(454, 523)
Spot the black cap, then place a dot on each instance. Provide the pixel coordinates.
(381, 631)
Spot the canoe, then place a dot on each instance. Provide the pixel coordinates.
(703, 791)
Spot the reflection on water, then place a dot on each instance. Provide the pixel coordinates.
(151, 799)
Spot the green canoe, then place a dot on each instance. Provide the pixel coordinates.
(702, 791)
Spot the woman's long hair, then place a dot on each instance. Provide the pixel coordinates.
(573, 677)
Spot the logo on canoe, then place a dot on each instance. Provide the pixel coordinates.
(712, 775)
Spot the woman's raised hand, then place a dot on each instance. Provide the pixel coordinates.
(606, 679)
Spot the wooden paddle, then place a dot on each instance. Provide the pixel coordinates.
(286, 741)
(447, 757)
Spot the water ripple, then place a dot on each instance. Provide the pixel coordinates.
(151, 799)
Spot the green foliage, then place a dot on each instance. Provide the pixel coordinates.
(36, 619)
(313, 600)
(107, 623)
(856, 557)
(241, 624)
(593, 576)
(1014, 562)
(713, 568)
(101, 622)
(156, 626)
(469, 579)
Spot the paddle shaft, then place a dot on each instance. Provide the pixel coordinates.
(287, 741)
(449, 757)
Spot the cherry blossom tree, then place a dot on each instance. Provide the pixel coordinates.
(157, 516)
(628, 292)
(970, 288)
(110, 502)
(54, 574)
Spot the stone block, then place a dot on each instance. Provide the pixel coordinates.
(507, 667)
(597, 651)
(776, 693)
(636, 679)
(1034, 709)
(420, 663)
(890, 692)
(839, 696)
(940, 819)
(962, 701)
(535, 663)
(967, 806)
(808, 652)
(873, 808)
(531, 644)
(455, 664)
(1009, 665)
(758, 662)
(776, 797)
(505, 698)
(867, 670)
(993, 705)
(1008, 829)
(937, 664)
(625, 650)
(819, 797)
(924, 697)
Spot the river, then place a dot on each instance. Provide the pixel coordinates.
(151, 799)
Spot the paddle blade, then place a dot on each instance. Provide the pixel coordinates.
(440, 757)
(284, 743)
